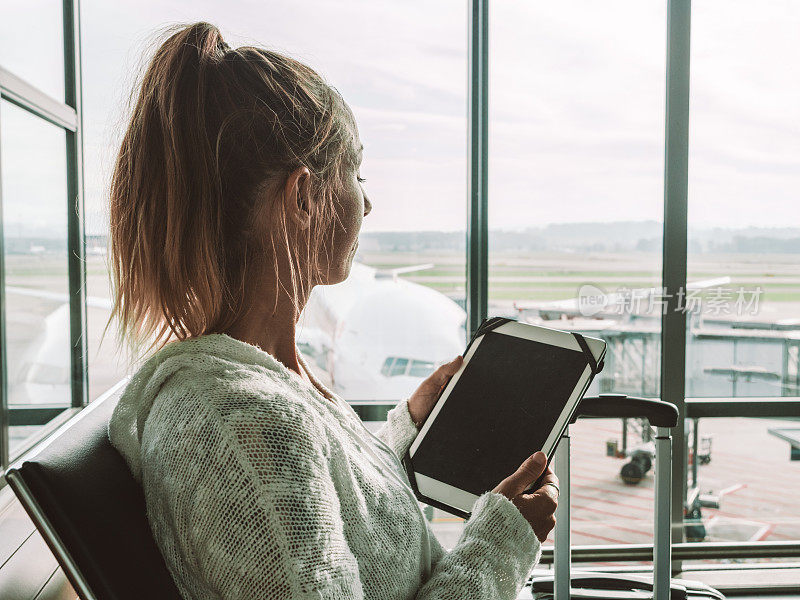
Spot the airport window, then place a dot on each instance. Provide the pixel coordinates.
(387, 366)
(32, 44)
(399, 367)
(576, 230)
(742, 328)
(420, 368)
(42, 367)
(408, 93)
(37, 344)
(743, 154)
(394, 367)
(576, 213)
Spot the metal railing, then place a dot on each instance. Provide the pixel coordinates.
(375, 411)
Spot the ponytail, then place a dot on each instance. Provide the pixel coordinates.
(210, 127)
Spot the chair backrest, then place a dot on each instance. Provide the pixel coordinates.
(79, 492)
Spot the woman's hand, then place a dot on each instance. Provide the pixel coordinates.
(537, 507)
(421, 401)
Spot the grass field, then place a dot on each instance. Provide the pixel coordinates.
(550, 276)
(541, 276)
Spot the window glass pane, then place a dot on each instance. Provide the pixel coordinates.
(387, 366)
(404, 76)
(744, 218)
(399, 367)
(420, 368)
(576, 167)
(34, 202)
(748, 476)
(32, 44)
(576, 176)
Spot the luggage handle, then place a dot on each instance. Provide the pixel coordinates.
(663, 416)
(657, 412)
(607, 581)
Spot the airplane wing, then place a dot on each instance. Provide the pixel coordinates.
(393, 273)
(91, 301)
(602, 302)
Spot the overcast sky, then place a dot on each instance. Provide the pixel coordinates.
(576, 101)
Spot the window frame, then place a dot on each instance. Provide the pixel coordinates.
(67, 115)
(674, 274)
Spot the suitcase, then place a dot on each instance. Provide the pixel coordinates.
(565, 583)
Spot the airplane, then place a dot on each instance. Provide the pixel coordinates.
(380, 335)
(375, 336)
(45, 371)
(593, 302)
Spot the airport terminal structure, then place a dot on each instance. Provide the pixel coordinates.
(683, 255)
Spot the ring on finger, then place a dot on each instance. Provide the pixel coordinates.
(555, 486)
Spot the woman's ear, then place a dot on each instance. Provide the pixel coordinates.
(297, 197)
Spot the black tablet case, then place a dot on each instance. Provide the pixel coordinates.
(486, 326)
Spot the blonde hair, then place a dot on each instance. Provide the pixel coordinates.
(211, 129)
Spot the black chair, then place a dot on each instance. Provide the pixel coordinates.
(79, 492)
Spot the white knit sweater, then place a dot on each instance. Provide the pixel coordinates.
(259, 487)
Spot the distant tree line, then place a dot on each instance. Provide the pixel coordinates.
(622, 236)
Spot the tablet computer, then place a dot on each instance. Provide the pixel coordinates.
(515, 393)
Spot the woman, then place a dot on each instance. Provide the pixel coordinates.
(236, 190)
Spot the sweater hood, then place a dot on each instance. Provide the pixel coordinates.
(211, 355)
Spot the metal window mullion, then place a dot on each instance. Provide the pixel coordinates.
(76, 243)
(28, 97)
(749, 406)
(676, 166)
(477, 207)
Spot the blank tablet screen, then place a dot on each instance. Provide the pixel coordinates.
(501, 411)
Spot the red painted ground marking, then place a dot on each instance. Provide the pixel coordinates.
(646, 484)
(757, 499)
(582, 459)
(577, 431)
(648, 497)
(614, 502)
(743, 458)
(783, 536)
(615, 527)
(633, 495)
(730, 515)
(632, 491)
(766, 534)
(598, 537)
(732, 489)
(592, 509)
(769, 483)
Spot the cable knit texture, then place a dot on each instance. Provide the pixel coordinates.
(259, 487)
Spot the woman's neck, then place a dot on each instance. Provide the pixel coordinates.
(271, 326)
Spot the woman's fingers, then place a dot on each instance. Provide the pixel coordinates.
(441, 375)
(523, 477)
(538, 509)
(437, 380)
(422, 400)
(549, 484)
